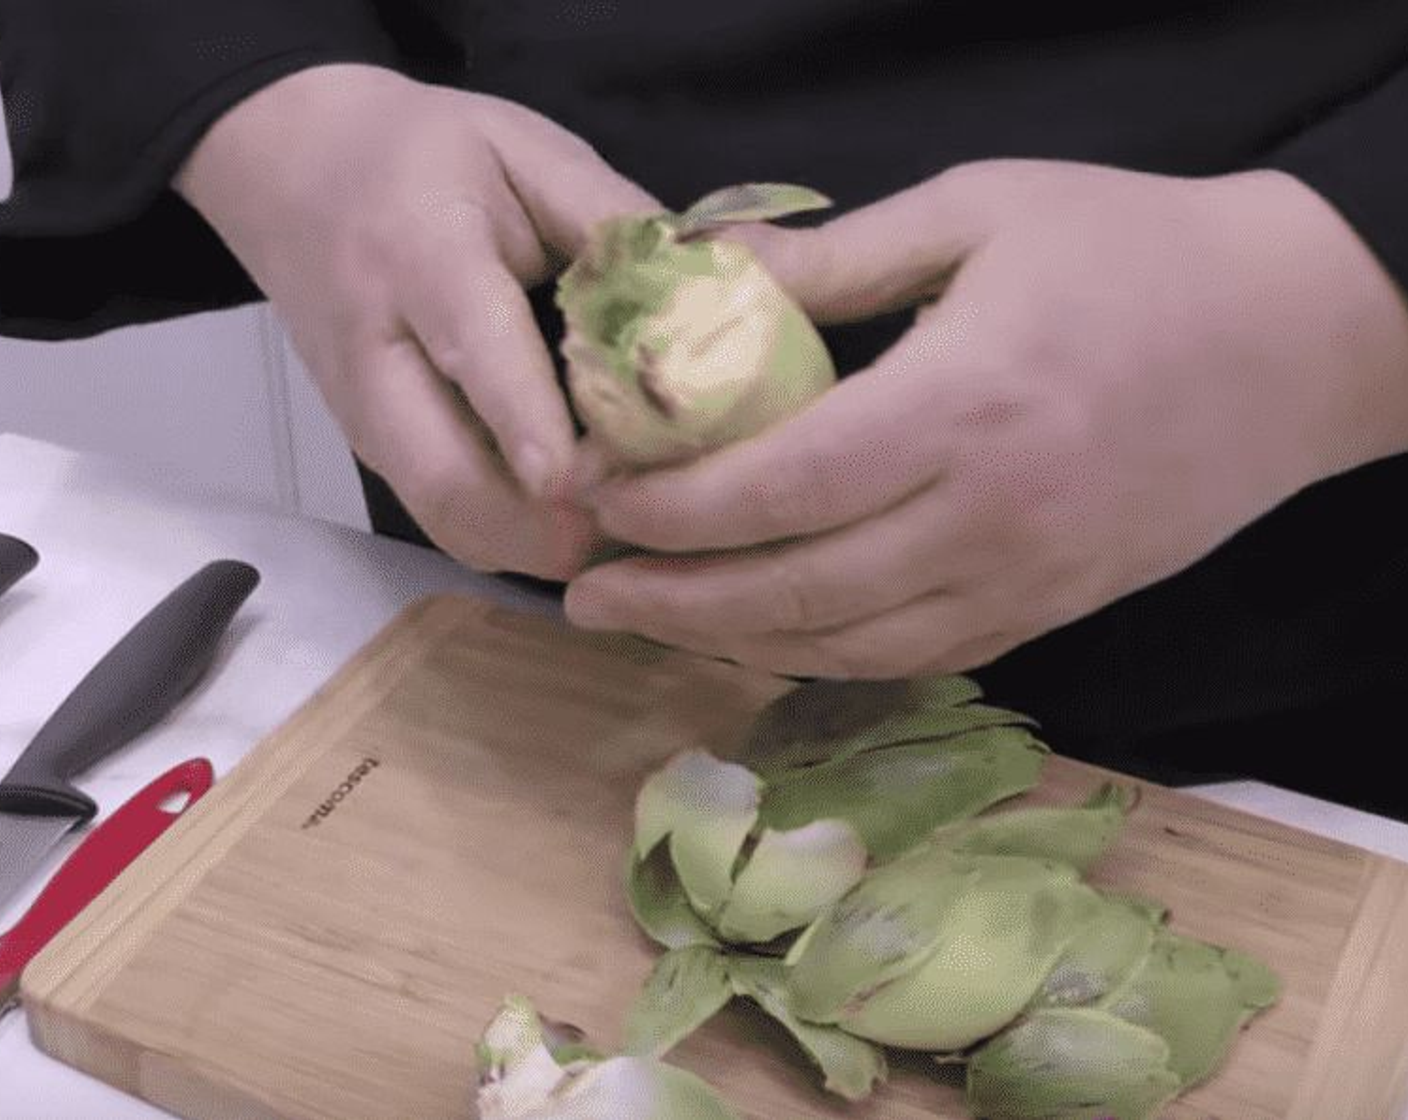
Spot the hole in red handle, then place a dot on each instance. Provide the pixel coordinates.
(175, 802)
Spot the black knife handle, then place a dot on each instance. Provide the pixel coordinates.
(134, 685)
(16, 561)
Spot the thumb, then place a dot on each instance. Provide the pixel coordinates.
(892, 254)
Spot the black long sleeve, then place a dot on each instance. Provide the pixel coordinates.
(103, 102)
(1300, 611)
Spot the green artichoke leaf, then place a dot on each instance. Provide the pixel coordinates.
(825, 721)
(999, 938)
(686, 989)
(706, 808)
(896, 796)
(789, 878)
(851, 1066)
(1196, 997)
(1071, 1064)
(883, 928)
(748, 202)
(1078, 836)
(1104, 952)
(519, 1079)
(659, 905)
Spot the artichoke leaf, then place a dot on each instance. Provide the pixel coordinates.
(895, 797)
(851, 1066)
(748, 202)
(684, 991)
(1103, 954)
(791, 877)
(659, 905)
(1078, 836)
(1196, 997)
(706, 808)
(1071, 1064)
(886, 926)
(999, 939)
(831, 720)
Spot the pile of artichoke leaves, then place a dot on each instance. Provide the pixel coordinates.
(854, 882)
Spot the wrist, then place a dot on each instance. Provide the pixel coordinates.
(1344, 318)
(273, 140)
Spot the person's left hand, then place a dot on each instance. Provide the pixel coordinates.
(1109, 374)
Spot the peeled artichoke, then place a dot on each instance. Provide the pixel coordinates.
(678, 342)
(521, 1077)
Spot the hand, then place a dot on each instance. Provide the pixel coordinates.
(395, 226)
(1109, 374)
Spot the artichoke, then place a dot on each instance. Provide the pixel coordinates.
(523, 1075)
(678, 342)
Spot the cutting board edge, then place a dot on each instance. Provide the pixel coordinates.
(169, 1082)
(1351, 1042)
(149, 889)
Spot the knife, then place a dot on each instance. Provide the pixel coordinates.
(132, 687)
(16, 560)
(103, 855)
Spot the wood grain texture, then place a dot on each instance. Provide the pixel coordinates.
(254, 966)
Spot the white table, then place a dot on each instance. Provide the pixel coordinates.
(113, 541)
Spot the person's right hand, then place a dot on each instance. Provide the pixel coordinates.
(395, 226)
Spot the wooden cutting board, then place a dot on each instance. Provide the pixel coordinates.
(326, 934)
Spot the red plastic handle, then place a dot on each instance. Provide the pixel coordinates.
(97, 861)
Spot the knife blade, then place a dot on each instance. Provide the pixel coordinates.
(17, 559)
(104, 854)
(132, 687)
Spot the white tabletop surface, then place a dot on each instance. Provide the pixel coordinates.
(113, 541)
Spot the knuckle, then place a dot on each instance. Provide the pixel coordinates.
(433, 214)
(1011, 481)
(355, 260)
(995, 497)
(794, 599)
(448, 356)
(791, 495)
(1000, 399)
